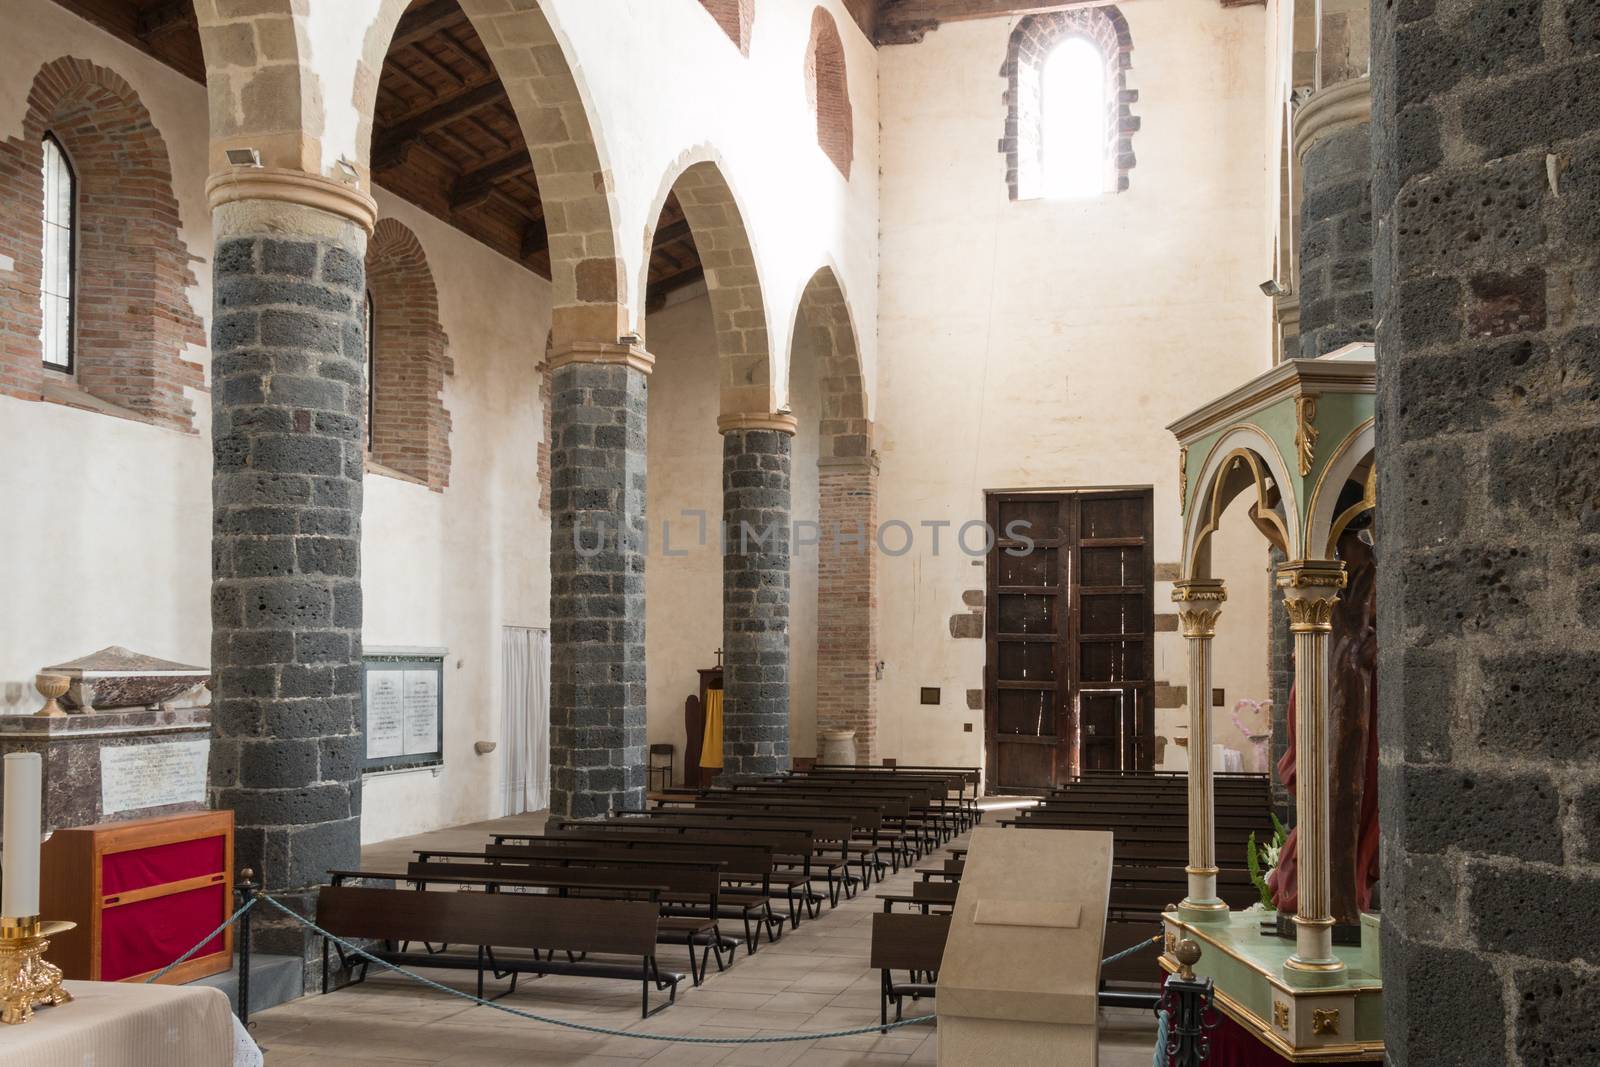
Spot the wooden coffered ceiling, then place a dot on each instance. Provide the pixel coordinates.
(444, 134)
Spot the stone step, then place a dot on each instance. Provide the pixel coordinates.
(274, 980)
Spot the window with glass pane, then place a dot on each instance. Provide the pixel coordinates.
(56, 283)
(1073, 120)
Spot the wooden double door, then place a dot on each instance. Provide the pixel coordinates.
(1070, 636)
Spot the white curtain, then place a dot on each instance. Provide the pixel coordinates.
(526, 720)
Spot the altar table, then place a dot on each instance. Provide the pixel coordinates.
(124, 1024)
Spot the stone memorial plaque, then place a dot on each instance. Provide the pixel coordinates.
(422, 712)
(386, 734)
(133, 777)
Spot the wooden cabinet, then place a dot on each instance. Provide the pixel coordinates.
(143, 893)
(694, 728)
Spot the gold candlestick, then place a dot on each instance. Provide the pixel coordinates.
(27, 979)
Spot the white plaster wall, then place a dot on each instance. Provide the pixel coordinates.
(1047, 343)
(107, 536)
(683, 606)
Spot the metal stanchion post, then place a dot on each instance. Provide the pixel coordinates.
(245, 891)
(1190, 1016)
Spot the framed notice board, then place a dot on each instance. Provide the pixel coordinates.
(402, 697)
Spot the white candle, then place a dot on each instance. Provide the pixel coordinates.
(24, 821)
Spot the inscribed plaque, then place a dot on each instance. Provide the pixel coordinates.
(385, 714)
(150, 776)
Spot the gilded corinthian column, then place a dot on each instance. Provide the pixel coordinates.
(1310, 590)
(1199, 603)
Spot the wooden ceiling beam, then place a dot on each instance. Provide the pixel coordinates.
(165, 17)
(535, 238)
(421, 23)
(656, 292)
(671, 233)
(473, 186)
(390, 146)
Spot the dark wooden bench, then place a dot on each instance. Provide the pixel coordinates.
(911, 943)
(923, 895)
(539, 924)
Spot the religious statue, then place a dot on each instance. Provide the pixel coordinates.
(1353, 746)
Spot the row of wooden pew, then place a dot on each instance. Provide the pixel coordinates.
(1147, 812)
(596, 897)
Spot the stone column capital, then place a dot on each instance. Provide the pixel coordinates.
(287, 186)
(1311, 588)
(781, 421)
(1199, 603)
(1327, 111)
(602, 353)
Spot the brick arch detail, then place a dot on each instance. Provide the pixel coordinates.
(410, 423)
(134, 320)
(828, 90)
(733, 285)
(1032, 41)
(847, 511)
(533, 61)
(736, 17)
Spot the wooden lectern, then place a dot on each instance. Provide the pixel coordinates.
(1022, 965)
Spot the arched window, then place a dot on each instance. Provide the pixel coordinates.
(828, 88)
(1072, 120)
(1069, 118)
(58, 278)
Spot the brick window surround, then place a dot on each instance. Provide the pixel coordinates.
(828, 90)
(410, 424)
(736, 17)
(133, 318)
(1034, 38)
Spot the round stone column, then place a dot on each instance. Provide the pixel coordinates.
(757, 453)
(287, 401)
(597, 553)
(1333, 147)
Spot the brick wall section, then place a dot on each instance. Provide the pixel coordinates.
(736, 17)
(755, 601)
(1034, 38)
(286, 555)
(1336, 241)
(134, 320)
(597, 663)
(410, 424)
(828, 88)
(847, 600)
(1486, 186)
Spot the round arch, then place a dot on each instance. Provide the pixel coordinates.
(269, 101)
(1221, 479)
(738, 308)
(1324, 522)
(534, 63)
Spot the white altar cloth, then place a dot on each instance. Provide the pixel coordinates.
(125, 1024)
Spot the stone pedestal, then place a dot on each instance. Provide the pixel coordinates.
(836, 747)
(109, 766)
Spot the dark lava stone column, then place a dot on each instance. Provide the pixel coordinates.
(287, 402)
(597, 516)
(1486, 185)
(756, 463)
(1333, 135)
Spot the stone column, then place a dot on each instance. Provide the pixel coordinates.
(847, 634)
(756, 456)
(597, 548)
(1310, 590)
(287, 404)
(1332, 144)
(1199, 605)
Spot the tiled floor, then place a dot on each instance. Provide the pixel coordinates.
(815, 979)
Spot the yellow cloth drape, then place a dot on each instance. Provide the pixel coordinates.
(711, 741)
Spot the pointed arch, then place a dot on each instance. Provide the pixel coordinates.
(534, 63)
(738, 310)
(824, 314)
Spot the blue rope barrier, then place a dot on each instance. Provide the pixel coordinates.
(162, 973)
(1161, 1039)
(586, 1027)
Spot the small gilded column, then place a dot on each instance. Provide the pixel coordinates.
(1310, 590)
(1199, 603)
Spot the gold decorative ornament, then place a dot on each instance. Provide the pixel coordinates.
(27, 979)
(1310, 614)
(1183, 478)
(1170, 945)
(1325, 1021)
(1305, 432)
(52, 687)
(1280, 1015)
(1199, 605)
(1310, 592)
